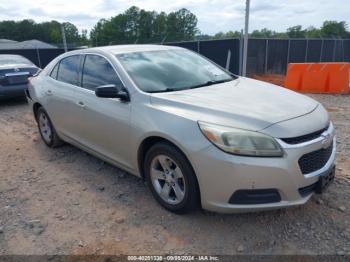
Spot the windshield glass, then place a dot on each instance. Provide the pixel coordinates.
(171, 70)
(13, 59)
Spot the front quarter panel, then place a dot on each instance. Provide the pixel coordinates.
(150, 120)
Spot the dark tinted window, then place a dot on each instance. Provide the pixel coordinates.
(68, 70)
(54, 71)
(97, 71)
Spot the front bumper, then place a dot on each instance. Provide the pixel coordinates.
(12, 91)
(221, 174)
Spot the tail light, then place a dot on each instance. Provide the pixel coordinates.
(37, 72)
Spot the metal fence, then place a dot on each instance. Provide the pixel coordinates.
(265, 56)
(270, 56)
(223, 52)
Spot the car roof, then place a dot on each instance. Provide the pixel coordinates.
(120, 49)
(12, 59)
(6, 56)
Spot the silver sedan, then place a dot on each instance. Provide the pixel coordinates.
(199, 136)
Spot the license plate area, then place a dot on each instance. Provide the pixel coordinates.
(17, 78)
(325, 180)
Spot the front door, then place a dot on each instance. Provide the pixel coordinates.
(103, 123)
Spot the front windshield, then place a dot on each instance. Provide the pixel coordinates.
(171, 70)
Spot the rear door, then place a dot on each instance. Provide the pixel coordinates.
(60, 95)
(103, 123)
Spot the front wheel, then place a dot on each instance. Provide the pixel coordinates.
(171, 178)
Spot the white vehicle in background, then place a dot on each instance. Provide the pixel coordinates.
(199, 135)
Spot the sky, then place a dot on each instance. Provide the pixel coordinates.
(213, 15)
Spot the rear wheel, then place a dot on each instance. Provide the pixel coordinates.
(171, 179)
(46, 129)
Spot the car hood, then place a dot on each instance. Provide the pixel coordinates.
(242, 103)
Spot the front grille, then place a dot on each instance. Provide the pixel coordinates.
(314, 161)
(304, 138)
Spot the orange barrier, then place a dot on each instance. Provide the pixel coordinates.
(330, 78)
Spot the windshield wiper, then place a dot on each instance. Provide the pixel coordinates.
(164, 90)
(209, 83)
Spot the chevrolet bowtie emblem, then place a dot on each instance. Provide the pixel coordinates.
(326, 140)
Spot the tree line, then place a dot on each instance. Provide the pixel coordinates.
(329, 29)
(137, 25)
(49, 32)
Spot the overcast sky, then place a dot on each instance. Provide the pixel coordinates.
(213, 15)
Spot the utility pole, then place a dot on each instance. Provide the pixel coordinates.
(245, 43)
(64, 38)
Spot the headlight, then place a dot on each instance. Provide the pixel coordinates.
(241, 142)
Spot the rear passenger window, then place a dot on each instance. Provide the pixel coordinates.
(97, 71)
(68, 70)
(54, 71)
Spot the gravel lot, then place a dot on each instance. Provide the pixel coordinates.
(64, 201)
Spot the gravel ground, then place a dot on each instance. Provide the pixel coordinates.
(64, 201)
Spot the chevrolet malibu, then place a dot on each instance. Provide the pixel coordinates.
(198, 135)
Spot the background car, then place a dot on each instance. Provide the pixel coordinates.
(14, 73)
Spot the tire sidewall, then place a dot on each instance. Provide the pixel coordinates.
(42, 111)
(190, 197)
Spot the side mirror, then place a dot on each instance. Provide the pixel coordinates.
(112, 91)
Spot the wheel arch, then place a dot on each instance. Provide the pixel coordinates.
(148, 142)
(36, 106)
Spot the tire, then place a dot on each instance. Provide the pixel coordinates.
(171, 178)
(46, 129)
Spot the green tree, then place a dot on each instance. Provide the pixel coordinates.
(232, 34)
(71, 32)
(334, 29)
(49, 32)
(159, 27)
(222, 35)
(138, 25)
(312, 32)
(296, 32)
(262, 33)
(146, 26)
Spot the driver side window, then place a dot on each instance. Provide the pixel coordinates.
(97, 71)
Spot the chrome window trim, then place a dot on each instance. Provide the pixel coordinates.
(58, 63)
(115, 70)
(80, 87)
(109, 61)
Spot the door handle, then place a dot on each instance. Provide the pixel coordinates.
(49, 92)
(81, 104)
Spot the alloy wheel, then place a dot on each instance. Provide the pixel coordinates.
(167, 179)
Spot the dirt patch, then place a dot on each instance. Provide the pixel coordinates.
(271, 78)
(65, 201)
